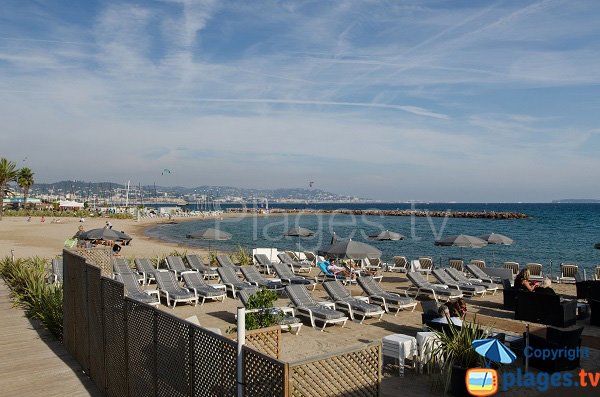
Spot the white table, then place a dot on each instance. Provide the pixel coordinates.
(400, 347)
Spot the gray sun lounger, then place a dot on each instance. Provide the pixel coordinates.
(145, 267)
(423, 287)
(469, 289)
(225, 261)
(121, 266)
(57, 270)
(195, 263)
(252, 275)
(306, 306)
(232, 281)
(264, 263)
(133, 290)
(460, 277)
(287, 322)
(481, 275)
(196, 283)
(176, 265)
(170, 289)
(354, 306)
(287, 277)
(388, 300)
(295, 265)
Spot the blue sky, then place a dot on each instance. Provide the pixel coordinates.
(393, 100)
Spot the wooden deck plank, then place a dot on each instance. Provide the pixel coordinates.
(32, 362)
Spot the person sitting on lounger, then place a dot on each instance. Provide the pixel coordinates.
(445, 317)
(545, 288)
(522, 281)
(338, 270)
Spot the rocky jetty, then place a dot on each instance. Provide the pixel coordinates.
(419, 213)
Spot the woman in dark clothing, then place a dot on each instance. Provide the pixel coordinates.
(522, 281)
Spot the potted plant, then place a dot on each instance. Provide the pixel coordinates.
(454, 353)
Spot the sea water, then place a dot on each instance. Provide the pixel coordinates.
(553, 233)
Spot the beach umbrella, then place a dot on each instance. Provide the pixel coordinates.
(494, 350)
(333, 238)
(299, 232)
(350, 249)
(104, 234)
(462, 241)
(386, 235)
(496, 239)
(210, 234)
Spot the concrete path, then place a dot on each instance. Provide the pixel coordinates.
(32, 362)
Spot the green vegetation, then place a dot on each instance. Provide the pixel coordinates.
(242, 256)
(30, 290)
(25, 181)
(8, 173)
(264, 316)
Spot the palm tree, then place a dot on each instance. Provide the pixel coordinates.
(8, 173)
(25, 181)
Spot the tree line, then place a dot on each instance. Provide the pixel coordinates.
(10, 173)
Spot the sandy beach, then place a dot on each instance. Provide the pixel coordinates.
(46, 239)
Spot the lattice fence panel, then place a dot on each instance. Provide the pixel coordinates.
(115, 353)
(214, 364)
(71, 263)
(266, 340)
(263, 375)
(172, 356)
(95, 326)
(355, 373)
(100, 257)
(141, 348)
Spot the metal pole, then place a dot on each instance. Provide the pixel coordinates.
(526, 346)
(12, 255)
(241, 331)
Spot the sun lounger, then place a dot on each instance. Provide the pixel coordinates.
(597, 273)
(195, 282)
(232, 281)
(308, 307)
(287, 322)
(457, 264)
(195, 263)
(121, 266)
(535, 271)
(57, 270)
(373, 264)
(400, 265)
(478, 262)
(287, 277)
(135, 292)
(295, 265)
(354, 306)
(176, 265)
(225, 261)
(423, 287)
(325, 274)
(469, 289)
(567, 273)
(145, 267)
(481, 275)
(513, 266)
(425, 265)
(170, 289)
(252, 276)
(460, 278)
(310, 257)
(264, 263)
(388, 300)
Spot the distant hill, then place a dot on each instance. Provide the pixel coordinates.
(104, 189)
(576, 201)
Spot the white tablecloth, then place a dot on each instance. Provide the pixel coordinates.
(399, 347)
(425, 344)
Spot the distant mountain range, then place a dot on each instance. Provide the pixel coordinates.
(106, 189)
(576, 201)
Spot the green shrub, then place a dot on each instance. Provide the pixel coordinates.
(265, 316)
(30, 290)
(241, 256)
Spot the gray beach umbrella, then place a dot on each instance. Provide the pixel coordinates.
(104, 234)
(494, 238)
(299, 232)
(386, 235)
(462, 241)
(210, 234)
(350, 249)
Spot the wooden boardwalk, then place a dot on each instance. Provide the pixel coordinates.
(32, 362)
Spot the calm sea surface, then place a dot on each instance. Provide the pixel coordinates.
(553, 233)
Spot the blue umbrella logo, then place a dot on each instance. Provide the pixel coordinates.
(494, 350)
